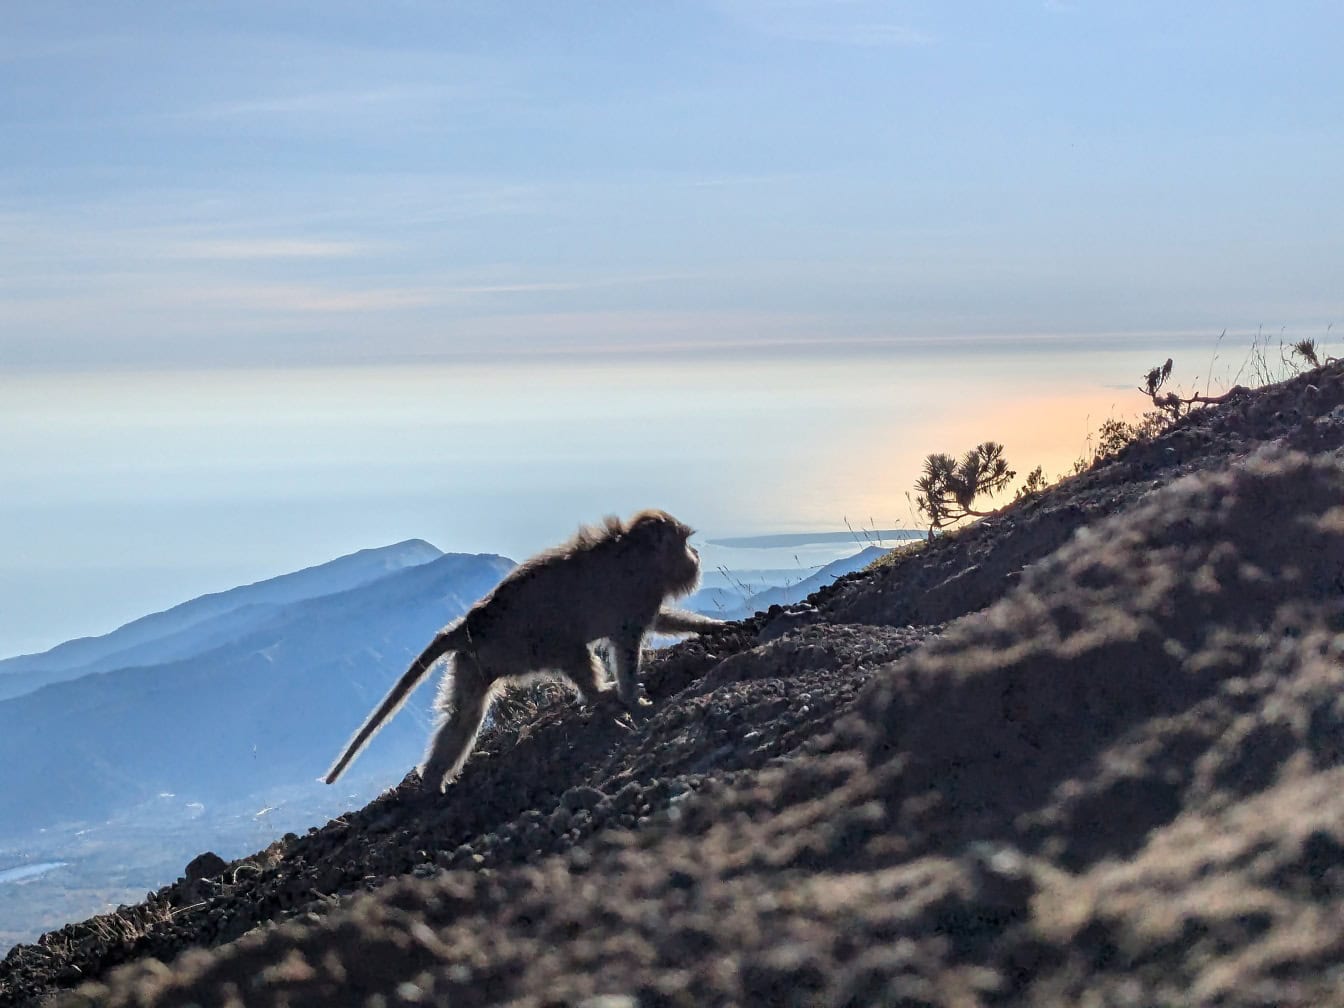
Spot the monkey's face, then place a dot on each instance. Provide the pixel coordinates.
(684, 569)
(692, 557)
(676, 558)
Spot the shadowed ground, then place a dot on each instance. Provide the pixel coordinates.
(1089, 751)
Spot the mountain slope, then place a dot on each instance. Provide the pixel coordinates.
(1116, 776)
(1119, 785)
(271, 707)
(195, 626)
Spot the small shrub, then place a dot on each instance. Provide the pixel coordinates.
(1306, 350)
(1033, 484)
(948, 489)
(1114, 435)
(1171, 406)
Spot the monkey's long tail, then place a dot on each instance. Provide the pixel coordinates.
(450, 639)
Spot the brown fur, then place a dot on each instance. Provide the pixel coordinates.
(608, 582)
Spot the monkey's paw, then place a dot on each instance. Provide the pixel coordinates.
(636, 709)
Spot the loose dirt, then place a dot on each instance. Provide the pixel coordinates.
(1089, 751)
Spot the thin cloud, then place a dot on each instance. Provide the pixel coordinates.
(321, 103)
(268, 248)
(724, 181)
(581, 284)
(14, 51)
(833, 22)
(317, 298)
(861, 34)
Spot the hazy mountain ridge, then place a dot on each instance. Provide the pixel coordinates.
(780, 540)
(726, 603)
(267, 708)
(136, 642)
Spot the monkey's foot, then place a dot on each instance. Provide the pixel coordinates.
(637, 708)
(609, 701)
(603, 696)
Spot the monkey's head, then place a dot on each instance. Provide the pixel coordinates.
(659, 536)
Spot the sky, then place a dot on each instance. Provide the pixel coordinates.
(283, 280)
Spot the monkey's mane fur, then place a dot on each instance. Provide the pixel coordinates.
(613, 532)
(594, 536)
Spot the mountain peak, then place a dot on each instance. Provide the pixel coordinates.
(121, 647)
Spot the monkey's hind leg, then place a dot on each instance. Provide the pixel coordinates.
(464, 697)
(585, 670)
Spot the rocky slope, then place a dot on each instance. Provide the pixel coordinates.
(1090, 751)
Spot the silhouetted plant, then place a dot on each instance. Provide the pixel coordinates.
(1113, 435)
(1033, 484)
(948, 489)
(1172, 405)
(1306, 349)
(1170, 402)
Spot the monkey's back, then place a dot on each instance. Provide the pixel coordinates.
(543, 607)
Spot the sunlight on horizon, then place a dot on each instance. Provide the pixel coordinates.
(204, 479)
(276, 286)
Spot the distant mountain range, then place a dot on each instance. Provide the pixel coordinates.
(205, 622)
(230, 693)
(730, 604)
(784, 539)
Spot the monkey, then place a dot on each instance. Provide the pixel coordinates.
(608, 582)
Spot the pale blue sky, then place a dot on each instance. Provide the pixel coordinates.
(222, 224)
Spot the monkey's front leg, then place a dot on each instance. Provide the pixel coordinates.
(625, 651)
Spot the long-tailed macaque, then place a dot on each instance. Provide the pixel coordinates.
(608, 582)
